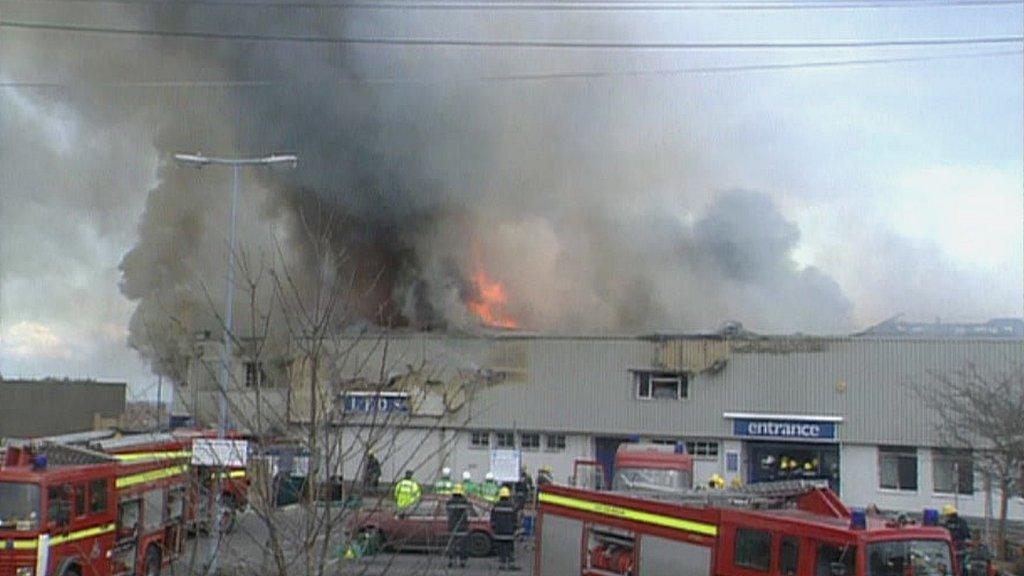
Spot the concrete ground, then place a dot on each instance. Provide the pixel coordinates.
(243, 552)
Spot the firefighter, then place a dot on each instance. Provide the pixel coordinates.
(444, 485)
(371, 475)
(457, 508)
(504, 521)
(523, 489)
(544, 476)
(958, 529)
(407, 491)
(468, 485)
(490, 488)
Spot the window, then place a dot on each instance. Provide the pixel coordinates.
(152, 509)
(833, 559)
(480, 440)
(97, 497)
(897, 467)
(175, 503)
(255, 375)
(504, 440)
(59, 504)
(529, 440)
(753, 549)
(556, 442)
(789, 555)
(702, 449)
(660, 385)
(80, 500)
(128, 513)
(953, 471)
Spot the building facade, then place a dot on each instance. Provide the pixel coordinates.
(849, 410)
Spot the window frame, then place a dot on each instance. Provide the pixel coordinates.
(945, 456)
(499, 436)
(552, 446)
(784, 540)
(534, 446)
(474, 435)
(765, 540)
(707, 452)
(104, 500)
(645, 382)
(899, 453)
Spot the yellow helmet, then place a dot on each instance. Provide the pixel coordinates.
(459, 489)
(948, 510)
(808, 466)
(504, 492)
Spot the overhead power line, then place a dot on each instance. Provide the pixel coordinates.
(549, 5)
(528, 44)
(525, 77)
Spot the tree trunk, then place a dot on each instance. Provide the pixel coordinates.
(1004, 499)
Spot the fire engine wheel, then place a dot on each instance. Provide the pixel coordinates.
(479, 544)
(153, 561)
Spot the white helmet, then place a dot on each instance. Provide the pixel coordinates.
(467, 475)
(446, 471)
(489, 476)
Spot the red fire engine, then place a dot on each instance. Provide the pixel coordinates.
(652, 468)
(67, 511)
(177, 447)
(794, 528)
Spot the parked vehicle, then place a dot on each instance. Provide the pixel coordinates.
(423, 526)
(652, 468)
(67, 511)
(794, 528)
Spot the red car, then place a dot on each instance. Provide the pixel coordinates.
(423, 526)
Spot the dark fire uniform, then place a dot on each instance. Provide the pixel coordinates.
(504, 521)
(458, 526)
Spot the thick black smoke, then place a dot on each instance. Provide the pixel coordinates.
(576, 197)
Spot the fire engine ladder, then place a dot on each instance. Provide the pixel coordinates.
(64, 455)
(760, 495)
(132, 440)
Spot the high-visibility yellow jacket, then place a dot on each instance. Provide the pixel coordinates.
(407, 493)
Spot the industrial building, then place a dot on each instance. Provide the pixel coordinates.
(754, 408)
(31, 408)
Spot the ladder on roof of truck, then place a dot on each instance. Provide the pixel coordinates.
(133, 440)
(761, 495)
(65, 455)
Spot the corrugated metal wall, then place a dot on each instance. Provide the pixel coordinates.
(50, 407)
(583, 385)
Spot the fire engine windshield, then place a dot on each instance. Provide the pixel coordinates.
(19, 506)
(909, 558)
(651, 479)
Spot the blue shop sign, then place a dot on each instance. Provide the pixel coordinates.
(784, 429)
(371, 402)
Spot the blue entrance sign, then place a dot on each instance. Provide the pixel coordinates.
(784, 429)
(370, 402)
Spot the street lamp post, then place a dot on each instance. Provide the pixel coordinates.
(199, 161)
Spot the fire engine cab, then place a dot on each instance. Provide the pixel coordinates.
(66, 511)
(794, 528)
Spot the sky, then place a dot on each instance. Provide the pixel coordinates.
(890, 188)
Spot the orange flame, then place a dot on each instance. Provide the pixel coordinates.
(489, 302)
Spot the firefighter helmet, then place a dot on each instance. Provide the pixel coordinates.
(504, 492)
(948, 510)
(467, 476)
(458, 489)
